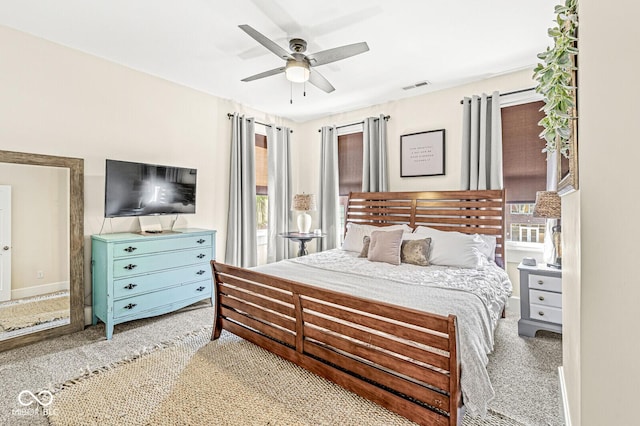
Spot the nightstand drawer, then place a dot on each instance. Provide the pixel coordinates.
(545, 298)
(543, 282)
(546, 313)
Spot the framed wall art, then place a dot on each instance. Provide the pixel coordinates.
(422, 154)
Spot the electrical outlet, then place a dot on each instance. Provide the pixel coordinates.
(39, 275)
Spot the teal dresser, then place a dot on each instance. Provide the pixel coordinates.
(138, 276)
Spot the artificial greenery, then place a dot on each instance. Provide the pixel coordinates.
(555, 79)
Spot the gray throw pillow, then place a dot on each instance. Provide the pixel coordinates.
(415, 252)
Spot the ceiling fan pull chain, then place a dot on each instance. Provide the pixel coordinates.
(304, 89)
(290, 92)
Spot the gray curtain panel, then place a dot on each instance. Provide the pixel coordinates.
(328, 193)
(374, 168)
(482, 143)
(241, 222)
(279, 187)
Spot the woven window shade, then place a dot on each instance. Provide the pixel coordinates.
(350, 163)
(262, 167)
(524, 163)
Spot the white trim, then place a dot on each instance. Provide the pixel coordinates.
(352, 128)
(520, 98)
(38, 290)
(564, 409)
(88, 319)
(516, 250)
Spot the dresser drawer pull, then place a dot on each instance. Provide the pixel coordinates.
(130, 249)
(130, 286)
(200, 288)
(200, 272)
(130, 267)
(131, 306)
(541, 313)
(200, 256)
(540, 297)
(201, 241)
(540, 282)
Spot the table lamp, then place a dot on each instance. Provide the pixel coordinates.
(304, 203)
(548, 206)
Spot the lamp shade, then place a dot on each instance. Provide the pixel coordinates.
(297, 71)
(547, 205)
(303, 202)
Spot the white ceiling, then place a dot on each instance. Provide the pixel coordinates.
(197, 43)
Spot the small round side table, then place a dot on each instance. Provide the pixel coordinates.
(302, 239)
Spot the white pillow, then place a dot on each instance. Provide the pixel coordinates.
(356, 233)
(488, 245)
(453, 248)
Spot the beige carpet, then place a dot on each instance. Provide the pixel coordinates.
(193, 381)
(19, 314)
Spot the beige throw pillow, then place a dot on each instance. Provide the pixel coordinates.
(385, 246)
(415, 252)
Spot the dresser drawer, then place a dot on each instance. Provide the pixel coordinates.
(543, 282)
(546, 313)
(154, 246)
(131, 286)
(144, 264)
(545, 298)
(145, 302)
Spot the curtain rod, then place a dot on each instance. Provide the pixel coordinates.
(386, 117)
(510, 93)
(229, 115)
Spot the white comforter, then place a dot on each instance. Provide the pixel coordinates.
(475, 296)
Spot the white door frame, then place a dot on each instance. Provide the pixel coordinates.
(5, 242)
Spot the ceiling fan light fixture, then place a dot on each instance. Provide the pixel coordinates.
(297, 71)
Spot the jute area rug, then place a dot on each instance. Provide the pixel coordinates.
(193, 381)
(23, 313)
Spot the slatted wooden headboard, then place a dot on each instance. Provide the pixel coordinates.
(470, 212)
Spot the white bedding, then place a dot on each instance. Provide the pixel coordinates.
(475, 296)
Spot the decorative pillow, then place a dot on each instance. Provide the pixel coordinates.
(489, 245)
(365, 247)
(385, 246)
(353, 239)
(453, 248)
(415, 252)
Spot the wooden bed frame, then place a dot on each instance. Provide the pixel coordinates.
(403, 359)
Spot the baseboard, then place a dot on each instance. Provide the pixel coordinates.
(87, 315)
(39, 290)
(566, 414)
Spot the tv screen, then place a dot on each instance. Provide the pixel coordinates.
(138, 189)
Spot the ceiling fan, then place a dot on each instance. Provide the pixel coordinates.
(298, 68)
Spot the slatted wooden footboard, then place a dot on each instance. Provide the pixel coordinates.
(403, 359)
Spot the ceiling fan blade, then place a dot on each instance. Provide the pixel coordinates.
(266, 42)
(337, 53)
(264, 74)
(320, 82)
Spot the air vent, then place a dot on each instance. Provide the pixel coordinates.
(416, 85)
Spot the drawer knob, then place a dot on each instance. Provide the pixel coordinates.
(130, 267)
(541, 313)
(200, 272)
(131, 249)
(130, 306)
(200, 241)
(200, 288)
(540, 297)
(200, 256)
(130, 286)
(540, 282)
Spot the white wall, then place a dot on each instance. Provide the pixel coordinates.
(601, 288)
(60, 101)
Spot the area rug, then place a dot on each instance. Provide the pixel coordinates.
(193, 381)
(29, 312)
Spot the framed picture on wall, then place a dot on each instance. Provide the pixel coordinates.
(422, 154)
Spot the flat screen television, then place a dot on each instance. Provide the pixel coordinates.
(139, 189)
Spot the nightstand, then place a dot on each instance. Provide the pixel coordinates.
(540, 299)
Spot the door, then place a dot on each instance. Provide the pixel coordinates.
(5, 242)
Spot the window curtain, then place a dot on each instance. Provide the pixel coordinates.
(241, 247)
(328, 201)
(279, 189)
(482, 143)
(375, 177)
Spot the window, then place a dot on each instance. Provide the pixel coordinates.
(262, 199)
(350, 152)
(525, 170)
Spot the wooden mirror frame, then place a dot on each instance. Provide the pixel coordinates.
(568, 166)
(76, 243)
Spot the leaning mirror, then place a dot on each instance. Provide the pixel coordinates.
(41, 247)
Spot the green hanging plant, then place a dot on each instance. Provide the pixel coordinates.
(555, 77)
